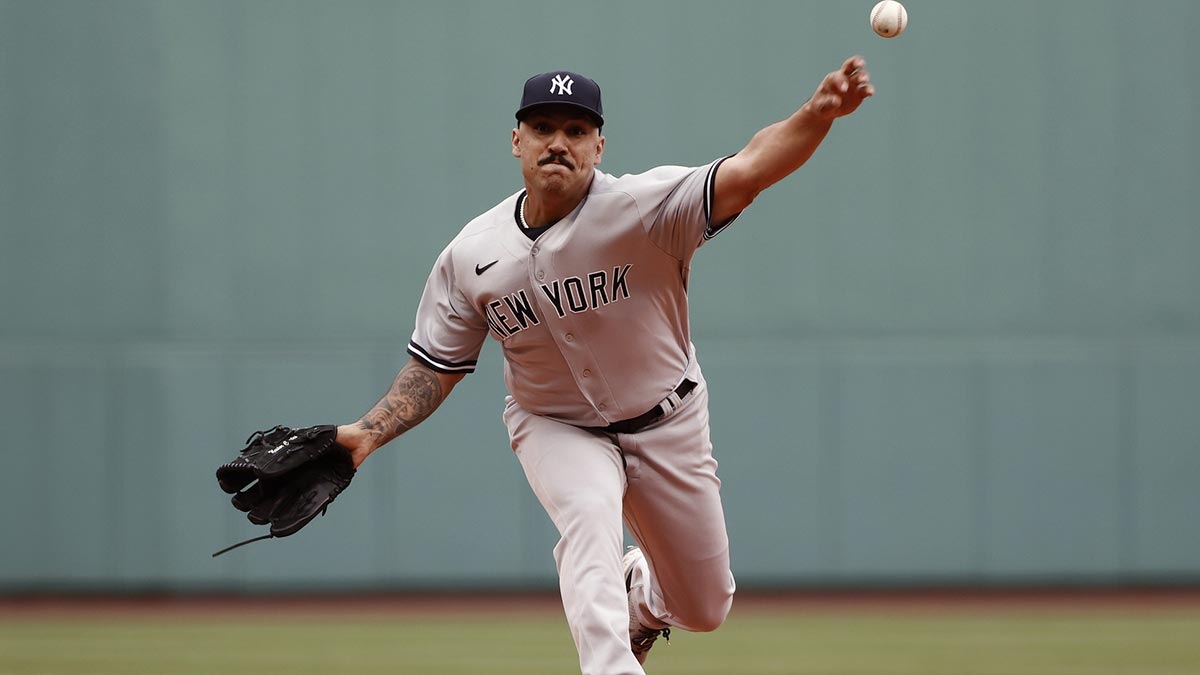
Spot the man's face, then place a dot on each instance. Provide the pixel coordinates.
(558, 146)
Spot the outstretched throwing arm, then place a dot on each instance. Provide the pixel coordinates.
(781, 148)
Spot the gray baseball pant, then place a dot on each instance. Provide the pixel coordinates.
(660, 482)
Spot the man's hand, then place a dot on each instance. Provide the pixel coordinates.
(842, 91)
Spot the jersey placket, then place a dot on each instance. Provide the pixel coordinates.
(565, 327)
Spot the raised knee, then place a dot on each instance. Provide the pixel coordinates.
(709, 615)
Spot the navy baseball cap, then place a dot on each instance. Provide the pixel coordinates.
(564, 88)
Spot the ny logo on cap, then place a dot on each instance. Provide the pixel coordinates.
(561, 84)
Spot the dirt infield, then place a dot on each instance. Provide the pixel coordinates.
(887, 601)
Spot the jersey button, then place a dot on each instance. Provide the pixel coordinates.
(587, 373)
(534, 250)
(541, 275)
(601, 407)
(569, 337)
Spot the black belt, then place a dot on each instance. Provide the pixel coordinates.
(636, 424)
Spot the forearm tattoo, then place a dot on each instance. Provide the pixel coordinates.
(415, 394)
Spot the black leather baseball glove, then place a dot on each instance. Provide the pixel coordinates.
(285, 477)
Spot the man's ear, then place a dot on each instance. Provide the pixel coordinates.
(600, 150)
(516, 142)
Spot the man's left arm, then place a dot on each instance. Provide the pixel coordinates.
(781, 148)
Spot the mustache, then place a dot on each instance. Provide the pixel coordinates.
(556, 159)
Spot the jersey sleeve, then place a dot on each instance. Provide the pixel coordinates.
(449, 333)
(676, 205)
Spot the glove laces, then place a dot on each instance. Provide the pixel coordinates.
(242, 543)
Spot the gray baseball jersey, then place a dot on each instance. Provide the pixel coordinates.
(592, 315)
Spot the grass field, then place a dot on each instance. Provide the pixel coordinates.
(886, 640)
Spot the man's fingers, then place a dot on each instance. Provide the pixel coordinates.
(855, 71)
(852, 74)
(837, 82)
(844, 89)
(852, 64)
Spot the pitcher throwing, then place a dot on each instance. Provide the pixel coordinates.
(582, 277)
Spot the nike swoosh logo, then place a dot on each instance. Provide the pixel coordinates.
(481, 270)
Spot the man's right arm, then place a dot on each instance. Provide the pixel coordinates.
(781, 148)
(415, 393)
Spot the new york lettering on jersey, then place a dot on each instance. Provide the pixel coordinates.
(513, 313)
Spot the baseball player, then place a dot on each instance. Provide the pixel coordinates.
(582, 277)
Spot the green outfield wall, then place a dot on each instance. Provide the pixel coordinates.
(961, 346)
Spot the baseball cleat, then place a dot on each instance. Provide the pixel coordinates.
(641, 638)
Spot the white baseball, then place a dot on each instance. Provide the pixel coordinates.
(889, 18)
